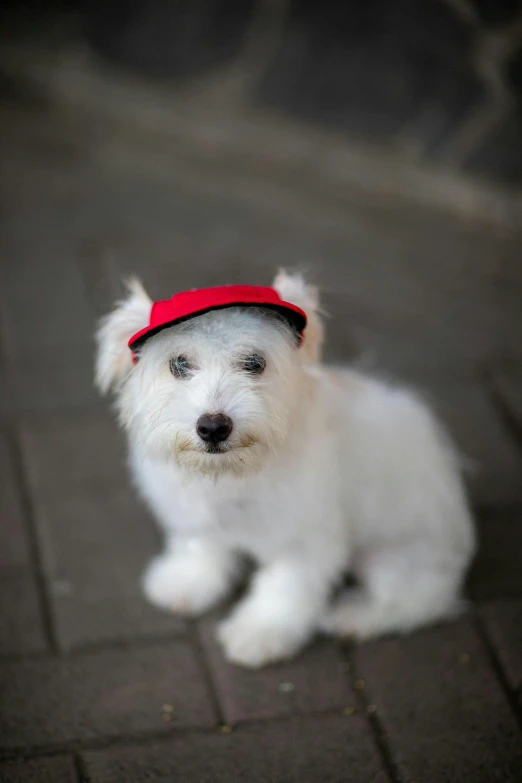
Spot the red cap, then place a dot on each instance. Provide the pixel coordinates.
(189, 304)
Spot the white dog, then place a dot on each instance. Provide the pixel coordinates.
(243, 443)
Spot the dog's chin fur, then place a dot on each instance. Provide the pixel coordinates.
(323, 472)
(237, 461)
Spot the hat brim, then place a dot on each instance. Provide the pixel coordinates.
(295, 318)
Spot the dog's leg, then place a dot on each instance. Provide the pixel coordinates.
(279, 613)
(402, 588)
(191, 576)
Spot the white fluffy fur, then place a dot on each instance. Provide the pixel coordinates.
(327, 471)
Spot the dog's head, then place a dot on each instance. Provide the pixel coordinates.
(217, 392)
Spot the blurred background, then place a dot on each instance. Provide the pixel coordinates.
(375, 145)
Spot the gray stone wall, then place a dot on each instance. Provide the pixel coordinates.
(435, 80)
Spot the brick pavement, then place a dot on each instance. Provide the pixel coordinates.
(97, 686)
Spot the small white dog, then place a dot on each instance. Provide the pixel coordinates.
(243, 443)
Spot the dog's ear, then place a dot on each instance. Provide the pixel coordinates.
(113, 357)
(293, 288)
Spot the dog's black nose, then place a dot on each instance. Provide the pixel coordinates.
(214, 427)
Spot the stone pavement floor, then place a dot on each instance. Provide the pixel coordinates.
(95, 684)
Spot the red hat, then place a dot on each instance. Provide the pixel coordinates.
(189, 304)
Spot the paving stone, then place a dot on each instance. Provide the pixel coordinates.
(330, 749)
(49, 383)
(43, 293)
(95, 534)
(103, 276)
(95, 549)
(14, 544)
(496, 571)
(5, 394)
(47, 322)
(495, 462)
(441, 707)
(21, 627)
(172, 239)
(59, 769)
(76, 453)
(313, 681)
(113, 693)
(504, 623)
(41, 172)
(507, 386)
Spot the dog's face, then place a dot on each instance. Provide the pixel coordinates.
(215, 393)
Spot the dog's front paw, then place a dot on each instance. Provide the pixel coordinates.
(181, 586)
(251, 641)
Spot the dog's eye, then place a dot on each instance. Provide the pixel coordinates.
(180, 367)
(254, 364)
